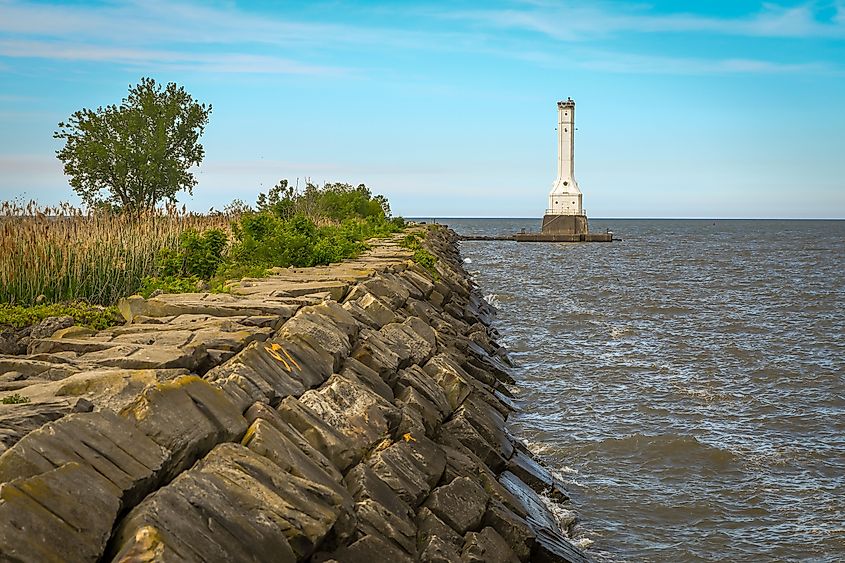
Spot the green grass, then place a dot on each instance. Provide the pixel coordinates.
(14, 399)
(98, 318)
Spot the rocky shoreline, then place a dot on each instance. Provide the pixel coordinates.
(352, 412)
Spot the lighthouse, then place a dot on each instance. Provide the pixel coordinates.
(565, 213)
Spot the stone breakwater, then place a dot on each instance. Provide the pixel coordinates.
(353, 412)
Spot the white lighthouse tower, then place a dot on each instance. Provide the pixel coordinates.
(565, 197)
(565, 214)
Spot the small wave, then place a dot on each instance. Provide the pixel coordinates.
(467, 260)
(669, 450)
(493, 300)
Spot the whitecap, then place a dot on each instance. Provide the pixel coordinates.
(467, 260)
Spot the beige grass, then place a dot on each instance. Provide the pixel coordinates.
(66, 254)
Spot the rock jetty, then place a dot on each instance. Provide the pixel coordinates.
(353, 412)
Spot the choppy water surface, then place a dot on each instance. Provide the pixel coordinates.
(687, 382)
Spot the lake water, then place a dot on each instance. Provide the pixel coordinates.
(686, 382)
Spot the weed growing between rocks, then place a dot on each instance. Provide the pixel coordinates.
(421, 255)
(93, 316)
(14, 399)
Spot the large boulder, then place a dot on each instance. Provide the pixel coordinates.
(461, 504)
(487, 546)
(63, 514)
(324, 438)
(380, 511)
(111, 445)
(361, 415)
(188, 417)
(411, 467)
(264, 439)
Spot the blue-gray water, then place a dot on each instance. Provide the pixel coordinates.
(686, 382)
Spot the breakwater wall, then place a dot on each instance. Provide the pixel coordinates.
(353, 412)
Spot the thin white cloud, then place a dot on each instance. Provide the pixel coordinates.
(156, 34)
(225, 62)
(573, 21)
(639, 64)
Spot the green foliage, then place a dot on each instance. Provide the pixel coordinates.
(18, 316)
(14, 399)
(168, 284)
(198, 255)
(140, 152)
(333, 201)
(318, 225)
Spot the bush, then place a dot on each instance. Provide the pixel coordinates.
(198, 255)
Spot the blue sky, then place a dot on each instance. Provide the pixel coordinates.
(699, 109)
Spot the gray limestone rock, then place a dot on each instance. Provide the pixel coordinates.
(16, 421)
(436, 550)
(459, 430)
(380, 511)
(388, 290)
(411, 467)
(304, 511)
(361, 415)
(108, 443)
(461, 504)
(363, 317)
(353, 369)
(421, 282)
(420, 380)
(203, 516)
(536, 476)
(406, 336)
(368, 549)
(429, 526)
(430, 416)
(63, 514)
(551, 543)
(451, 378)
(260, 411)
(106, 388)
(373, 352)
(487, 546)
(323, 437)
(320, 332)
(188, 417)
(28, 367)
(513, 528)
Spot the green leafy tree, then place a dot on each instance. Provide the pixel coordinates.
(137, 154)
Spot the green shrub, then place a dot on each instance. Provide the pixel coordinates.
(19, 316)
(198, 255)
(14, 399)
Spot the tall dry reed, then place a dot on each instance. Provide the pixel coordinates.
(66, 254)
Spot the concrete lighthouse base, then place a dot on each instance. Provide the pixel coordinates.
(564, 228)
(565, 225)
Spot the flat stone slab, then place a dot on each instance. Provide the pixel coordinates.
(216, 304)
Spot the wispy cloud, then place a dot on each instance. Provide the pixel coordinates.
(575, 21)
(215, 38)
(225, 62)
(647, 64)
